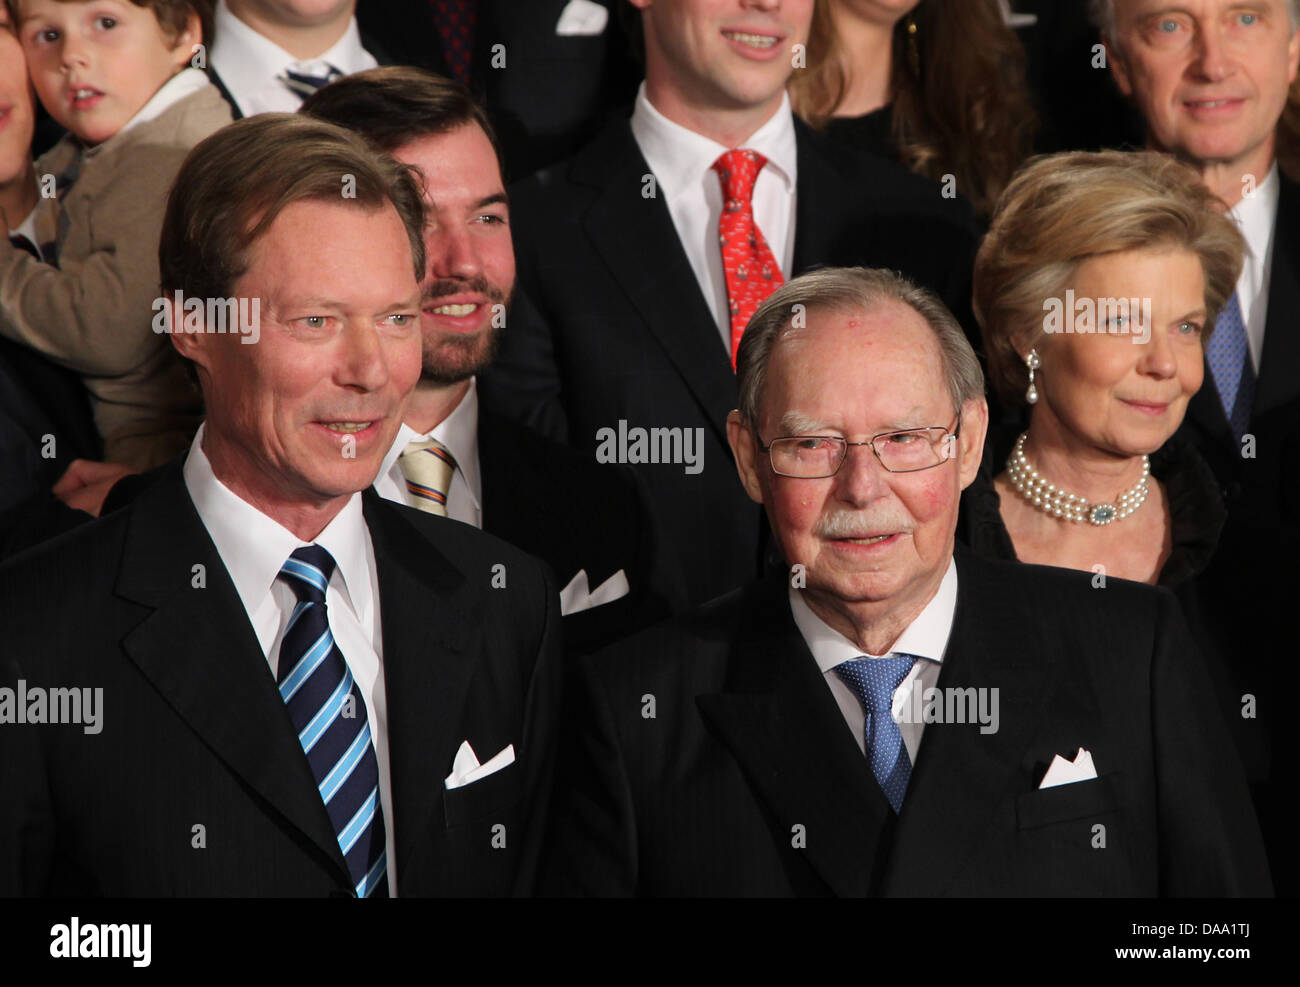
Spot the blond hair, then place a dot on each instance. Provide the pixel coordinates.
(1062, 209)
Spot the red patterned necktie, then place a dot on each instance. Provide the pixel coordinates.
(455, 19)
(747, 261)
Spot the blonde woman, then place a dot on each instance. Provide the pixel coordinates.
(1095, 289)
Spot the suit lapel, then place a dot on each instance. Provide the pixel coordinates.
(636, 239)
(199, 651)
(782, 725)
(428, 635)
(1279, 365)
(990, 646)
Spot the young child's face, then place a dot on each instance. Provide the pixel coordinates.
(95, 63)
(17, 115)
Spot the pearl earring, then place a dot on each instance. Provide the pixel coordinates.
(1033, 363)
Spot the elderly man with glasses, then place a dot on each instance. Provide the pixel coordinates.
(888, 716)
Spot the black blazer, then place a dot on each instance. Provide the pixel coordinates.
(1253, 486)
(745, 780)
(614, 326)
(574, 514)
(194, 732)
(552, 93)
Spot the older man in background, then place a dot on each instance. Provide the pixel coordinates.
(1210, 78)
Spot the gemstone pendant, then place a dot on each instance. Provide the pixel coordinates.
(1102, 514)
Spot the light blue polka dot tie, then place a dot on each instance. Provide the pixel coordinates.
(874, 681)
(1228, 354)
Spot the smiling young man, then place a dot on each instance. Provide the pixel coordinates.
(881, 718)
(451, 456)
(326, 683)
(1211, 78)
(646, 253)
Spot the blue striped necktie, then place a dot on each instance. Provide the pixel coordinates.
(1228, 354)
(329, 716)
(874, 681)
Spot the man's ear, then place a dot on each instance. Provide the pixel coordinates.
(1118, 68)
(191, 345)
(974, 426)
(741, 440)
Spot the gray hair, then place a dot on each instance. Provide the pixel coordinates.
(1102, 15)
(849, 288)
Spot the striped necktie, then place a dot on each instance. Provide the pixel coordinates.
(428, 467)
(874, 681)
(306, 83)
(329, 716)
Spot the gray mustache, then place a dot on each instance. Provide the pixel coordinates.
(846, 524)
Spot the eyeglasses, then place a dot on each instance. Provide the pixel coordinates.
(812, 457)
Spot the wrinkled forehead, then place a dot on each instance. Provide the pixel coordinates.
(857, 368)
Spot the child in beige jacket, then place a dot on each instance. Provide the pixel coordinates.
(117, 75)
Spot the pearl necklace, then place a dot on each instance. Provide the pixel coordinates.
(1050, 499)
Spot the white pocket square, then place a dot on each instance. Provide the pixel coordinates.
(1063, 772)
(582, 17)
(576, 597)
(466, 769)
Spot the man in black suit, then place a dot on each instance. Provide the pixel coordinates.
(585, 519)
(268, 55)
(637, 300)
(1211, 84)
(550, 72)
(1064, 738)
(284, 684)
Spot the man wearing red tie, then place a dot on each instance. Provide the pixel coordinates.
(647, 252)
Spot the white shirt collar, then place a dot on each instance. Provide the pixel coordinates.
(681, 158)
(1255, 215)
(184, 83)
(249, 62)
(926, 636)
(253, 547)
(458, 432)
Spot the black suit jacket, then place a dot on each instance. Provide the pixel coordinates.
(747, 781)
(550, 95)
(614, 326)
(574, 514)
(1254, 487)
(194, 733)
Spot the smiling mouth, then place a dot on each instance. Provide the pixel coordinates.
(752, 40)
(872, 540)
(459, 310)
(1210, 104)
(347, 426)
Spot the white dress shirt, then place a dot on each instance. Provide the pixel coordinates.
(459, 433)
(249, 63)
(253, 547)
(926, 637)
(184, 83)
(1256, 217)
(682, 163)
